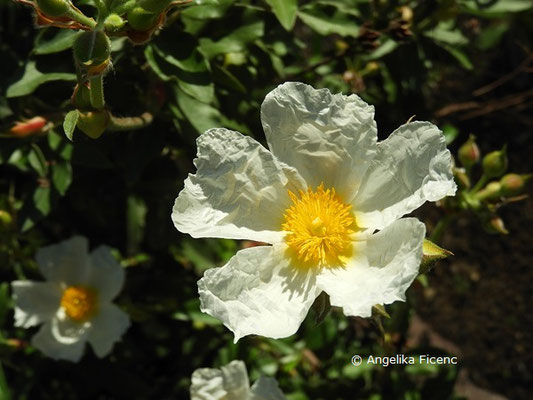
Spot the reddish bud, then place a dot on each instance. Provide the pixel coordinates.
(29, 127)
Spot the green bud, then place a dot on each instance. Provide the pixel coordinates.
(469, 153)
(491, 191)
(141, 19)
(495, 225)
(92, 48)
(495, 163)
(461, 177)
(94, 123)
(513, 184)
(53, 8)
(431, 253)
(155, 6)
(6, 220)
(114, 23)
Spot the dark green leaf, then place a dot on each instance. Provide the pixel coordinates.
(32, 79)
(285, 11)
(61, 41)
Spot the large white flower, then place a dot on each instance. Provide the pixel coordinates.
(327, 197)
(74, 305)
(231, 383)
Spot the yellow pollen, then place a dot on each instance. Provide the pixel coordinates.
(79, 302)
(319, 226)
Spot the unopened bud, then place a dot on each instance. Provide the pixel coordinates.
(29, 127)
(461, 177)
(92, 48)
(469, 153)
(513, 184)
(495, 163)
(53, 8)
(491, 191)
(114, 23)
(495, 225)
(94, 123)
(142, 20)
(6, 220)
(407, 13)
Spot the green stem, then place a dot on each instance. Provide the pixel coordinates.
(482, 182)
(97, 92)
(81, 18)
(4, 389)
(130, 123)
(440, 228)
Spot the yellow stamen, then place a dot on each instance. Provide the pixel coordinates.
(79, 302)
(320, 226)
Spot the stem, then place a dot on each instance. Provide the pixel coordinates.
(482, 182)
(130, 123)
(97, 92)
(440, 228)
(78, 16)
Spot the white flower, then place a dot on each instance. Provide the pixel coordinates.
(318, 197)
(74, 305)
(231, 383)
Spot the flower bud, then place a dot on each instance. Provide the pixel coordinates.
(495, 163)
(92, 48)
(469, 153)
(495, 225)
(141, 19)
(155, 6)
(94, 123)
(29, 127)
(513, 184)
(491, 191)
(53, 8)
(6, 220)
(114, 23)
(461, 178)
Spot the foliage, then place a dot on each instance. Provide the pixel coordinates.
(210, 64)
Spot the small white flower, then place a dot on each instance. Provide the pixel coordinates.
(231, 383)
(74, 305)
(318, 197)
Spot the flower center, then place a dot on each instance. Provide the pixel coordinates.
(319, 226)
(79, 302)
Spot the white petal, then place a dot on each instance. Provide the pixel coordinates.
(107, 327)
(412, 166)
(35, 302)
(258, 292)
(384, 267)
(327, 138)
(240, 190)
(266, 389)
(228, 382)
(106, 275)
(55, 346)
(65, 262)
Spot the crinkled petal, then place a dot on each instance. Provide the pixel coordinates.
(60, 342)
(412, 166)
(65, 262)
(107, 327)
(228, 382)
(384, 267)
(329, 138)
(266, 389)
(259, 292)
(106, 275)
(239, 191)
(35, 302)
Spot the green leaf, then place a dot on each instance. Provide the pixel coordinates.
(285, 11)
(495, 8)
(70, 122)
(63, 40)
(235, 42)
(225, 78)
(37, 160)
(200, 115)
(62, 176)
(323, 25)
(447, 32)
(33, 78)
(4, 389)
(459, 55)
(209, 9)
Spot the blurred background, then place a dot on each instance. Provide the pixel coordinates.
(466, 65)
